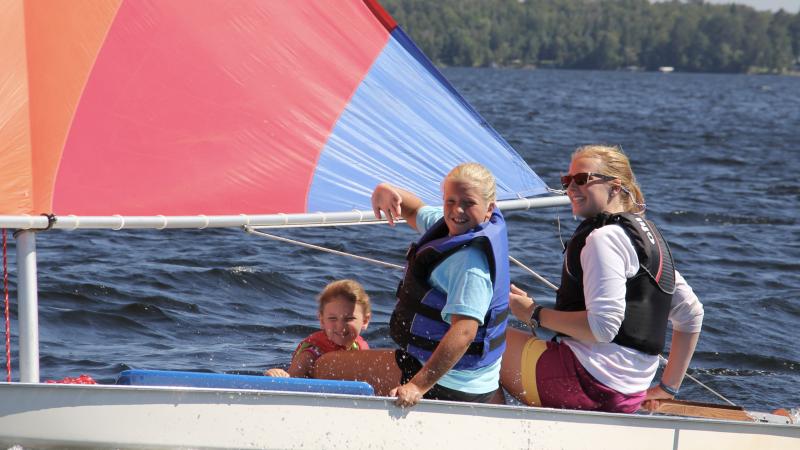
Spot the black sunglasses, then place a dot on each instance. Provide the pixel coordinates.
(582, 178)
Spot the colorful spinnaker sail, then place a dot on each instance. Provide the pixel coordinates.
(179, 107)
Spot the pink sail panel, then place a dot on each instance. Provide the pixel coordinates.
(222, 108)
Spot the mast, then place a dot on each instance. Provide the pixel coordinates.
(28, 299)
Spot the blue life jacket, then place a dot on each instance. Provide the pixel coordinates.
(417, 325)
(648, 294)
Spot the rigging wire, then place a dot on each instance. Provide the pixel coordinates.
(541, 279)
(664, 361)
(322, 249)
(396, 266)
(560, 237)
(375, 261)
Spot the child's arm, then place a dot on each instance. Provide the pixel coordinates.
(449, 351)
(395, 203)
(302, 364)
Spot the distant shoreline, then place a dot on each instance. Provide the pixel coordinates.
(694, 37)
(789, 73)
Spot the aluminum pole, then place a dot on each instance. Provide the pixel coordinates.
(28, 303)
(355, 217)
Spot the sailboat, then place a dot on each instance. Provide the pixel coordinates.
(123, 114)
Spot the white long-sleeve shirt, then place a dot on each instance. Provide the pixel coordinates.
(608, 259)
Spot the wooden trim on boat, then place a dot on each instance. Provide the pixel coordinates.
(706, 410)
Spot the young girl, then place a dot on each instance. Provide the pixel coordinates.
(618, 290)
(344, 312)
(452, 304)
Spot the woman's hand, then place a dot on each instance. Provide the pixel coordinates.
(654, 394)
(278, 373)
(407, 395)
(388, 200)
(520, 304)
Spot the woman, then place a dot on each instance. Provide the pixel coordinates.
(618, 291)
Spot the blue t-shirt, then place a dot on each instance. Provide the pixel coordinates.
(464, 276)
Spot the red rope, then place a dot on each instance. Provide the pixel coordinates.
(8, 320)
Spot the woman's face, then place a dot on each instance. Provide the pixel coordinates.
(596, 195)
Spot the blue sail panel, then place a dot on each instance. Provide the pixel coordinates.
(408, 126)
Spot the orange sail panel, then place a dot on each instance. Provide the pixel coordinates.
(16, 171)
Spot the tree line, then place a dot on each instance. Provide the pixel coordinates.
(601, 34)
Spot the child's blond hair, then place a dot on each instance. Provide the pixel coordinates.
(477, 175)
(350, 290)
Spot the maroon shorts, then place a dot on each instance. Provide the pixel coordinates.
(553, 377)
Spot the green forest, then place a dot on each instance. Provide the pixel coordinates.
(690, 36)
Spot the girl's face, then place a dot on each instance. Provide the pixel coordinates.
(342, 321)
(596, 195)
(464, 207)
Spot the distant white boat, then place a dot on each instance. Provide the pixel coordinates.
(666, 69)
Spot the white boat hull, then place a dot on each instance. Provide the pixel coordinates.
(140, 416)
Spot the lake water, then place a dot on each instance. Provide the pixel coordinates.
(717, 157)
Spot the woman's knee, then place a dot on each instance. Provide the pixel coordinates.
(515, 343)
(511, 367)
(517, 338)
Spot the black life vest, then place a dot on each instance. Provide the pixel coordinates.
(648, 294)
(417, 325)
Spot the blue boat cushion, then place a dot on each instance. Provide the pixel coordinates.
(219, 380)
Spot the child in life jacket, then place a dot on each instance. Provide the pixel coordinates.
(344, 312)
(452, 305)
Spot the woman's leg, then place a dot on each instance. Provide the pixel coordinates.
(539, 373)
(511, 367)
(376, 367)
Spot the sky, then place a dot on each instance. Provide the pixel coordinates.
(792, 6)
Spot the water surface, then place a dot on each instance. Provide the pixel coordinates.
(717, 159)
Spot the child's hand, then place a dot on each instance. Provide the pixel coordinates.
(278, 373)
(387, 200)
(408, 395)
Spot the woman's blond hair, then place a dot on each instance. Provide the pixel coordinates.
(478, 175)
(350, 290)
(615, 163)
